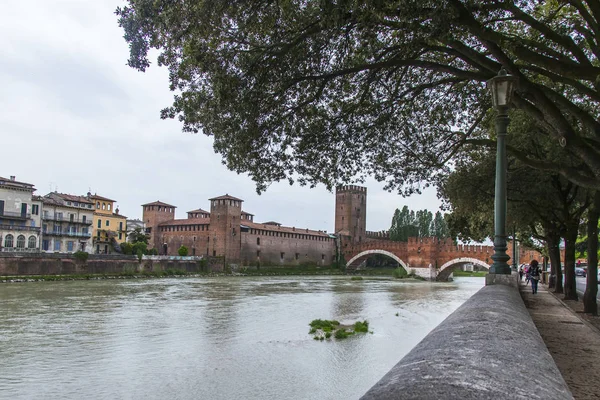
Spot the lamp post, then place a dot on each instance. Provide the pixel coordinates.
(501, 87)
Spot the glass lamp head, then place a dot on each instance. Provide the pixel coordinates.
(501, 87)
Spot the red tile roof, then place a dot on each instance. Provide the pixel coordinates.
(97, 197)
(199, 211)
(287, 229)
(72, 197)
(226, 197)
(158, 203)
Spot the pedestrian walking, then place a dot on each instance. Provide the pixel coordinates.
(534, 273)
(521, 272)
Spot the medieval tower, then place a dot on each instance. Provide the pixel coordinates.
(154, 214)
(351, 213)
(225, 220)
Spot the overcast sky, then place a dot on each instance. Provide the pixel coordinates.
(75, 117)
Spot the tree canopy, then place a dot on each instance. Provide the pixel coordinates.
(406, 223)
(334, 91)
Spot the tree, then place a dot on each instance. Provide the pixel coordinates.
(404, 225)
(137, 235)
(424, 219)
(335, 91)
(182, 251)
(439, 227)
(542, 205)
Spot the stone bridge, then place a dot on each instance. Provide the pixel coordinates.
(430, 258)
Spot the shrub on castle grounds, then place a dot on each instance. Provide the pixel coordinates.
(183, 251)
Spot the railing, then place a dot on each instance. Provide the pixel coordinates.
(56, 218)
(14, 214)
(20, 228)
(67, 233)
(101, 239)
(20, 250)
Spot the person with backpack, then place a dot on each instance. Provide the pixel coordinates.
(534, 274)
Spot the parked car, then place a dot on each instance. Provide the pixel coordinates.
(580, 271)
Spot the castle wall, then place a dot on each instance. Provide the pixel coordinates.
(194, 236)
(284, 248)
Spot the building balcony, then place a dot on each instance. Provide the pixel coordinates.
(15, 215)
(68, 234)
(101, 239)
(20, 228)
(87, 221)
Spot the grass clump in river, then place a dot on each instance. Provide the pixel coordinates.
(324, 329)
(356, 278)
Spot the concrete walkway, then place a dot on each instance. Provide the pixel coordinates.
(571, 338)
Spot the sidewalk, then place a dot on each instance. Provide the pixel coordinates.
(573, 339)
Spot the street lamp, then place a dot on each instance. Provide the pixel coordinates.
(501, 87)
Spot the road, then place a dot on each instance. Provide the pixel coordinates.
(581, 284)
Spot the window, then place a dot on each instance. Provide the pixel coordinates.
(99, 223)
(121, 225)
(35, 209)
(258, 241)
(322, 257)
(297, 255)
(69, 246)
(120, 236)
(45, 245)
(71, 217)
(98, 205)
(45, 228)
(107, 222)
(281, 256)
(83, 219)
(8, 240)
(109, 206)
(68, 203)
(76, 204)
(257, 253)
(57, 245)
(104, 206)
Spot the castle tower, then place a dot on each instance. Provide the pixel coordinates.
(351, 212)
(154, 214)
(225, 219)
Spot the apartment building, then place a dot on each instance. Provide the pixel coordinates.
(66, 223)
(19, 216)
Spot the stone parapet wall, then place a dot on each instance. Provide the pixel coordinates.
(489, 348)
(64, 264)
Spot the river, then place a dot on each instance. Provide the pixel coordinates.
(211, 338)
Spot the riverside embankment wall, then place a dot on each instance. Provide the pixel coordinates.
(489, 348)
(65, 264)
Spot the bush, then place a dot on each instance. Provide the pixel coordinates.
(400, 273)
(183, 251)
(81, 256)
(138, 247)
(152, 252)
(356, 278)
(127, 248)
(341, 334)
(361, 326)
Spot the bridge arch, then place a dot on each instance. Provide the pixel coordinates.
(366, 253)
(447, 268)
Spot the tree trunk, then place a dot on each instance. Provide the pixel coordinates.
(554, 253)
(552, 277)
(570, 283)
(591, 290)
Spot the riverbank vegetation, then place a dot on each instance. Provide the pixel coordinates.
(469, 273)
(323, 329)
